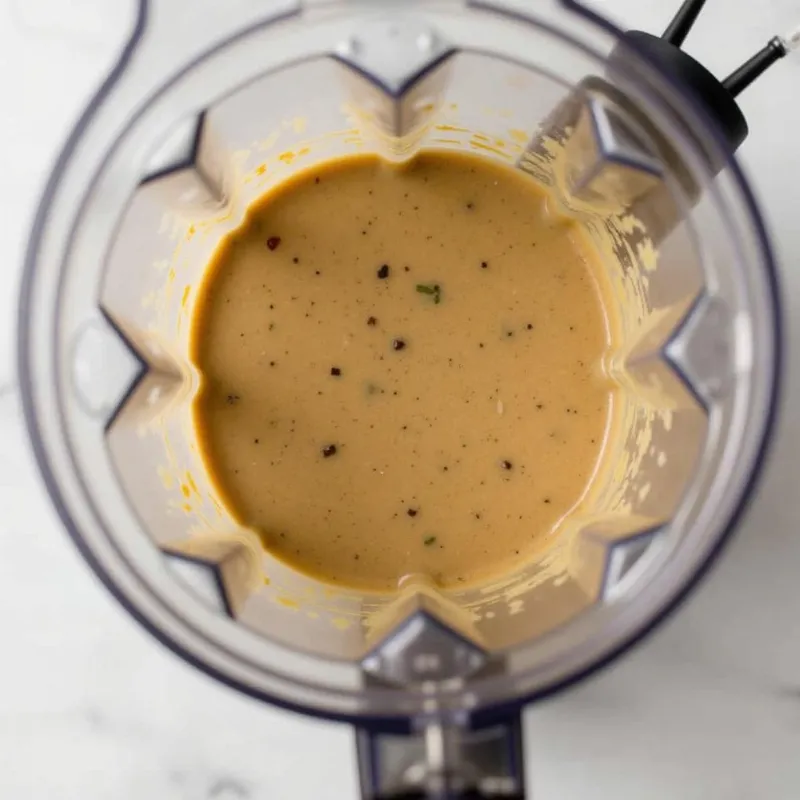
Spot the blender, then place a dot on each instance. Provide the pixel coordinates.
(207, 110)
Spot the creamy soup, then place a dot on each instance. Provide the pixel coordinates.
(402, 370)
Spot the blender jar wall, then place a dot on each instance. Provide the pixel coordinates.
(249, 141)
(243, 145)
(585, 620)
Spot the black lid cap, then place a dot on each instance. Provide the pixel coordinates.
(717, 102)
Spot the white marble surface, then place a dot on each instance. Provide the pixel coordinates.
(92, 708)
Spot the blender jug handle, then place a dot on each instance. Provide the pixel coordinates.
(443, 761)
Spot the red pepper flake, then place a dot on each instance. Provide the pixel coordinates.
(273, 242)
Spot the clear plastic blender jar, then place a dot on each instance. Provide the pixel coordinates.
(165, 162)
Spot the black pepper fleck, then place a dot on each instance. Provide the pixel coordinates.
(372, 321)
(428, 541)
(329, 450)
(505, 464)
(484, 264)
(273, 242)
(232, 399)
(412, 512)
(336, 372)
(398, 344)
(383, 272)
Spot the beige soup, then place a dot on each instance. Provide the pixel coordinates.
(402, 370)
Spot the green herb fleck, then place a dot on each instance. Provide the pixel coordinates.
(433, 289)
(429, 541)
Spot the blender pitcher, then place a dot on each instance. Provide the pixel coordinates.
(213, 104)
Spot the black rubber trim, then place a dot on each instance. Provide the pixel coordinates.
(143, 369)
(409, 83)
(191, 158)
(213, 567)
(674, 367)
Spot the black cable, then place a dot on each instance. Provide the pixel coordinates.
(682, 22)
(742, 77)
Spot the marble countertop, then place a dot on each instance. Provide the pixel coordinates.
(91, 707)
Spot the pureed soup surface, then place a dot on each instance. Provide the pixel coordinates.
(402, 370)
